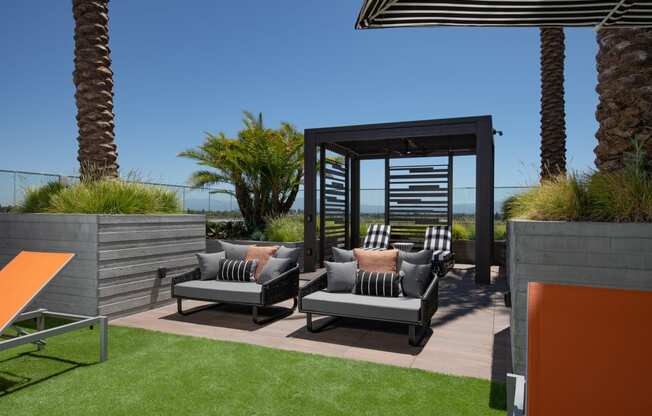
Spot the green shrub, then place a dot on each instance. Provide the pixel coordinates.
(285, 228)
(226, 230)
(102, 197)
(463, 231)
(500, 231)
(38, 199)
(621, 196)
(561, 198)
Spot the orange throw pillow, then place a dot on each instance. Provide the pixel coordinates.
(261, 254)
(376, 260)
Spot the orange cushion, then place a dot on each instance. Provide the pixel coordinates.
(261, 254)
(376, 260)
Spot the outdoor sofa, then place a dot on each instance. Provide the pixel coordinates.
(283, 287)
(416, 312)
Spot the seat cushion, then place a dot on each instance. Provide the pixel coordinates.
(370, 307)
(220, 291)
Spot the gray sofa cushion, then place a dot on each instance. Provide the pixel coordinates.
(209, 264)
(342, 256)
(274, 268)
(418, 257)
(234, 251)
(292, 253)
(415, 279)
(340, 277)
(371, 307)
(220, 291)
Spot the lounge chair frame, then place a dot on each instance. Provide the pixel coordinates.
(279, 289)
(429, 305)
(38, 337)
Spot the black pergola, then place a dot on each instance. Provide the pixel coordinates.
(415, 195)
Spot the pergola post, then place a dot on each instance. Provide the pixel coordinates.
(355, 202)
(310, 201)
(484, 201)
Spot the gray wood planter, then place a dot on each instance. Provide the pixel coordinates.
(585, 254)
(117, 257)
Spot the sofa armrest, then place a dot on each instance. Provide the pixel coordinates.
(284, 286)
(315, 285)
(193, 274)
(430, 301)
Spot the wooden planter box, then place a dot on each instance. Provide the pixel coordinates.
(607, 255)
(465, 252)
(117, 257)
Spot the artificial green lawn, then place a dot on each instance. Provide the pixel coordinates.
(151, 373)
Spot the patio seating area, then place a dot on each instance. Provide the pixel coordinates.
(470, 331)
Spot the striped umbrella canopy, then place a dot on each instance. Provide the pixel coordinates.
(538, 13)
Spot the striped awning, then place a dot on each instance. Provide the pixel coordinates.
(536, 13)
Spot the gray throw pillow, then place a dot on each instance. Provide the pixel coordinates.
(419, 257)
(340, 277)
(292, 253)
(342, 256)
(209, 264)
(234, 251)
(415, 279)
(274, 268)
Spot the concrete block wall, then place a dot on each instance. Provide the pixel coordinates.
(606, 255)
(116, 261)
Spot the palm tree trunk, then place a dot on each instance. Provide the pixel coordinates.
(93, 80)
(625, 89)
(553, 114)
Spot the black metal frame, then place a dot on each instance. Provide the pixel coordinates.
(429, 305)
(428, 138)
(279, 289)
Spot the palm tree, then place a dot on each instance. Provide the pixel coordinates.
(625, 88)
(93, 80)
(553, 115)
(263, 166)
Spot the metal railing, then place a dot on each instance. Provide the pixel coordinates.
(14, 183)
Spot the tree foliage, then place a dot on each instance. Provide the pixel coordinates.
(263, 166)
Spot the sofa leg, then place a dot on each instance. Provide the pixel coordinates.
(323, 323)
(180, 310)
(281, 314)
(413, 338)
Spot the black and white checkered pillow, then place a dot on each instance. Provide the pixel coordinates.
(237, 270)
(377, 237)
(438, 238)
(377, 284)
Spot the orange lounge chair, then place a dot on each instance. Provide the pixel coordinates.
(21, 280)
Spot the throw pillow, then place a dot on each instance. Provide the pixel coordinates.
(342, 256)
(340, 277)
(376, 260)
(209, 264)
(415, 278)
(237, 270)
(419, 257)
(274, 268)
(261, 254)
(292, 253)
(234, 251)
(377, 284)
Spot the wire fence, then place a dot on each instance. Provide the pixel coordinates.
(14, 184)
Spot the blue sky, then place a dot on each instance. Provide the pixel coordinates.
(184, 68)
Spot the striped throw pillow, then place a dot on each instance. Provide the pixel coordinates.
(237, 270)
(377, 284)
